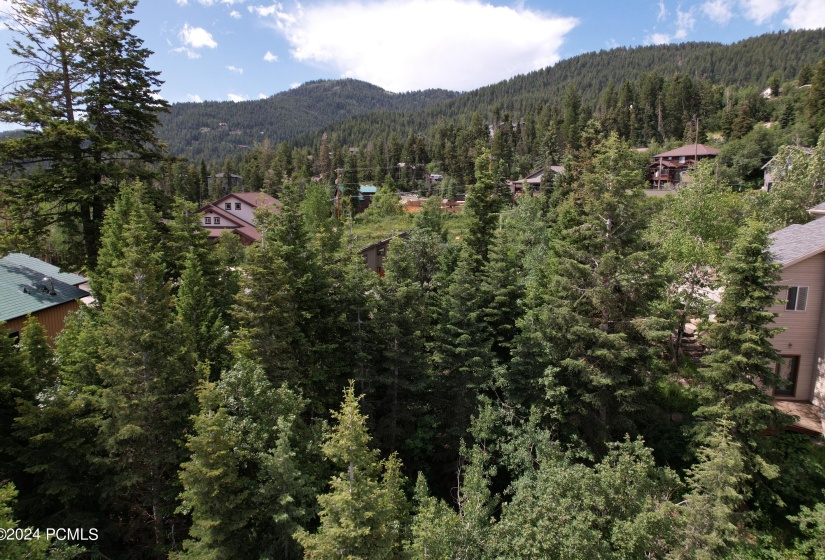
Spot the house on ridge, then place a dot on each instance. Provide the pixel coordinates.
(235, 213)
(29, 286)
(532, 182)
(666, 169)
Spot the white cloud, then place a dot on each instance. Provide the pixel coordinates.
(235, 69)
(194, 38)
(236, 97)
(182, 2)
(659, 39)
(404, 45)
(269, 57)
(194, 97)
(293, 85)
(662, 16)
(720, 11)
(760, 11)
(235, 14)
(806, 14)
(684, 24)
(261, 96)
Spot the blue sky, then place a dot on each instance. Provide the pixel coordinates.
(248, 49)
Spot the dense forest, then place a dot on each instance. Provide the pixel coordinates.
(512, 386)
(371, 114)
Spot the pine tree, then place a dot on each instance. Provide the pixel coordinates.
(243, 483)
(713, 517)
(736, 376)
(79, 59)
(147, 396)
(364, 513)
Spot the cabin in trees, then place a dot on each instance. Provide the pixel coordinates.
(365, 194)
(532, 182)
(800, 250)
(772, 169)
(375, 253)
(29, 286)
(235, 213)
(665, 172)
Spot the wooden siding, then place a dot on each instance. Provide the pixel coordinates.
(801, 336)
(53, 318)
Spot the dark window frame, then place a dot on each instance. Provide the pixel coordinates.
(797, 299)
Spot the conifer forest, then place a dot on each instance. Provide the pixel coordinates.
(511, 386)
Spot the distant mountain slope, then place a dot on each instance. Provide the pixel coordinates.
(357, 110)
(219, 128)
(750, 62)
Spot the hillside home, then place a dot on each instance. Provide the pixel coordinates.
(666, 169)
(800, 250)
(29, 286)
(771, 170)
(532, 182)
(365, 194)
(375, 253)
(235, 213)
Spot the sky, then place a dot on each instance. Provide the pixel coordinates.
(236, 50)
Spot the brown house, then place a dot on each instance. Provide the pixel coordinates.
(375, 253)
(532, 182)
(665, 172)
(800, 249)
(29, 286)
(235, 213)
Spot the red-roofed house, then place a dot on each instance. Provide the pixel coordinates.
(666, 170)
(235, 212)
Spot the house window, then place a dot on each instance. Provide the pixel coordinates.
(381, 251)
(787, 369)
(237, 206)
(797, 298)
(15, 337)
(217, 221)
(228, 205)
(207, 220)
(681, 159)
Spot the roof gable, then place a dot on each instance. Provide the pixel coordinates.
(798, 242)
(690, 150)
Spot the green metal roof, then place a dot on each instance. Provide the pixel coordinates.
(28, 285)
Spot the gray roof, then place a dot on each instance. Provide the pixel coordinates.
(798, 242)
(25, 287)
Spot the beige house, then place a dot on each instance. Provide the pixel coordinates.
(800, 249)
(235, 213)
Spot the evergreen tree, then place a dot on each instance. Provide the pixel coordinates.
(740, 369)
(147, 395)
(712, 516)
(243, 484)
(364, 513)
(79, 59)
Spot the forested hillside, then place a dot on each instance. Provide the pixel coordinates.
(218, 129)
(298, 116)
(514, 385)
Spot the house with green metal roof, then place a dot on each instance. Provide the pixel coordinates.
(29, 286)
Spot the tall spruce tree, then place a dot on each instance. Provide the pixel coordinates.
(733, 385)
(77, 59)
(148, 395)
(243, 484)
(365, 512)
